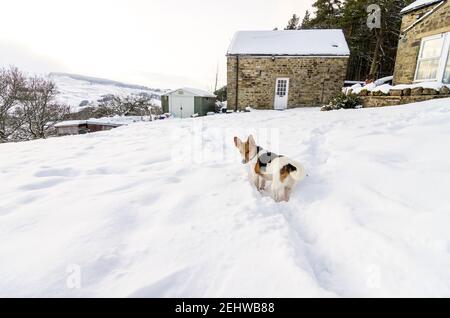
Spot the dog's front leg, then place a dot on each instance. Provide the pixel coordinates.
(256, 181)
(262, 184)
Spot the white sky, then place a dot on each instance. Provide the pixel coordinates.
(157, 43)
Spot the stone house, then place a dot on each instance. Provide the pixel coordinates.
(423, 50)
(285, 69)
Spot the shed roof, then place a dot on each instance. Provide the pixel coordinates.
(69, 123)
(105, 123)
(416, 5)
(114, 122)
(290, 42)
(193, 91)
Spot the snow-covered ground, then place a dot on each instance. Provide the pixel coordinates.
(125, 213)
(76, 89)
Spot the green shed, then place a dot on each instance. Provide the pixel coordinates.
(186, 102)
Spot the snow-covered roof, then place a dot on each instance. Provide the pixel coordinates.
(193, 91)
(106, 121)
(69, 123)
(291, 42)
(419, 4)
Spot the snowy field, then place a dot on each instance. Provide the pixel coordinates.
(125, 213)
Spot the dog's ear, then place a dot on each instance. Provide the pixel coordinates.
(252, 148)
(237, 142)
(251, 141)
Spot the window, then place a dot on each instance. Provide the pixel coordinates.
(429, 58)
(433, 63)
(282, 88)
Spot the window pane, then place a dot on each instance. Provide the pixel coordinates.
(446, 79)
(432, 48)
(427, 69)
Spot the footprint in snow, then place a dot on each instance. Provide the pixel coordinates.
(174, 180)
(66, 172)
(41, 185)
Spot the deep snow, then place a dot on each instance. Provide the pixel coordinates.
(372, 218)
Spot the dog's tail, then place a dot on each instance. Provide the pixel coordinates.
(297, 171)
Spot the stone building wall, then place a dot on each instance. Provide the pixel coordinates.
(383, 101)
(313, 80)
(409, 45)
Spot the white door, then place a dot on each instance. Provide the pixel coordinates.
(182, 106)
(281, 93)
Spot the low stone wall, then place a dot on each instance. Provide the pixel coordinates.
(382, 101)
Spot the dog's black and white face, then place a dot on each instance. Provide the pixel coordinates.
(247, 149)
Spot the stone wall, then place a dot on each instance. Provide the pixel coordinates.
(382, 101)
(409, 44)
(313, 80)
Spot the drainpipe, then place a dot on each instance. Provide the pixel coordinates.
(237, 84)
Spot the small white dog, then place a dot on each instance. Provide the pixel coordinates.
(283, 172)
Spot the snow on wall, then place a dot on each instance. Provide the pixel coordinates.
(385, 88)
(291, 42)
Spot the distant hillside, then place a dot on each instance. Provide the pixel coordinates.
(103, 81)
(79, 91)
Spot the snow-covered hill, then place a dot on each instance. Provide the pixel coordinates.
(79, 91)
(132, 212)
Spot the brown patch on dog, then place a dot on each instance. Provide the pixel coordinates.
(286, 171)
(258, 169)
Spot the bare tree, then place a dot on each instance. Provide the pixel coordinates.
(40, 109)
(12, 87)
(133, 105)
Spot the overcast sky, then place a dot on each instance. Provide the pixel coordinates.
(157, 43)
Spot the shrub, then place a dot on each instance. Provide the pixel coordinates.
(342, 101)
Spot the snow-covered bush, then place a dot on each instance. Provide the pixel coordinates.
(132, 105)
(342, 101)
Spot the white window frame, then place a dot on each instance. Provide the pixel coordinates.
(446, 57)
(442, 60)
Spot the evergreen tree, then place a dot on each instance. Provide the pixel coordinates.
(306, 22)
(327, 14)
(293, 23)
(373, 52)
